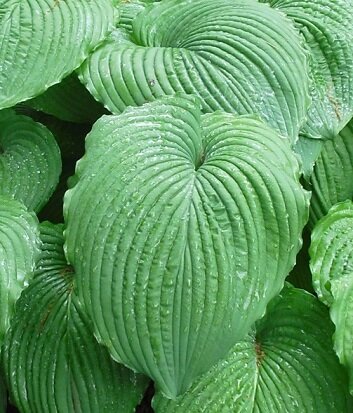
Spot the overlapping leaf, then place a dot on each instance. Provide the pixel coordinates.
(332, 267)
(223, 51)
(326, 28)
(69, 101)
(43, 41)
(52, 362)
(19, 248)
(332, 178)
(30, 163)
(181, 228)
(286, 365)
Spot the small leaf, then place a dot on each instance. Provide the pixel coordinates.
(308, 150)
(52, 361)
(30, 163)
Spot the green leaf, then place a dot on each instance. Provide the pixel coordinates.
(341, 314)
(30, 163)
(286, 365)
(326, 26)
(224, 52)
(308, 150)
(331, 246)
(128, 12)
(181, 228)
(19, 248)
(69, 101)
(44, 41)
(332, 179)
(332, 268)
(51, 359)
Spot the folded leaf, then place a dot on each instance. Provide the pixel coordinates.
(44, 41)
(286, 365)
(51, 359)
(327, 29)
(223, 51)
(19, 249)
(308, 150)
(30, 163)
(181, 228)
(332, 179)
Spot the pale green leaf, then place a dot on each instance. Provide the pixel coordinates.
(223, 51)
(128, 11)
(332, 266)
(332, 179)
(308, 150)
(43, 41)
(181, 228)
(326, 26)
(30, 163)
(19, 249)
(287, 365)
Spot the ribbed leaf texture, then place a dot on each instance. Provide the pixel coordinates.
(326, 28)
(52, 361)
(19, 249)
(287, 365)
(69, 101)
(30, 162)
(181, 228)
(43, 41)
(128, 12)
(332, 267)
(223, 51)
(332, 179)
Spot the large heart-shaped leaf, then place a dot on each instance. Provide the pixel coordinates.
(286, 365)
(69, 101)
(19, 248)
(326, 26)
(43, 41)
(332, 178)
(52, 362)
(223, 51)
(181, 228)
(30, 163)
(332, 267)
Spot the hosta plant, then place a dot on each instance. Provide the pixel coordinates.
(182, 150)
